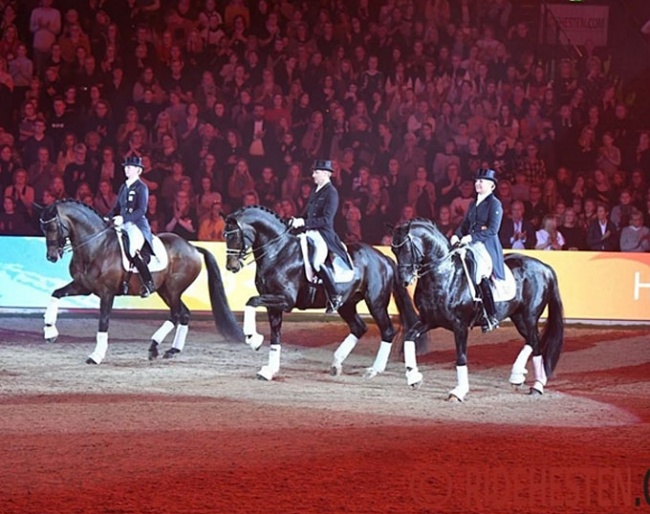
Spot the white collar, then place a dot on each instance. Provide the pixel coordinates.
(131, 181)
(481, 197)
(318, 188)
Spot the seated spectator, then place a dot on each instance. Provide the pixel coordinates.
(206, 198)
(41, 172)
(21, 192)
(517, 232)
(240, 182)
(66, 153)
(548, 236)
(78, 171)
(444, 222)
(155, 214)
(105, 198)
(622, 211)
(183, 218)
(352, 216)
(422, 194)
(12, 221)
(460, 204)
(574, 235)
(635, 237)
(213, 225)
(601, 234)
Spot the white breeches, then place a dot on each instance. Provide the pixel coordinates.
(321, 248)
(136, 239)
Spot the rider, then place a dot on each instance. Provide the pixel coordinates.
(481, 225)
(129, 211)
(318, 219)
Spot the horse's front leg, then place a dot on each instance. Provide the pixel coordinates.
(50, 332)
(273, 367)
(101, 345)
(459, 392)
(253, 338)
(413, 375)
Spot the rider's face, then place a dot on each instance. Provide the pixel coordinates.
(483, 186)
(320, 176)
(131, 171)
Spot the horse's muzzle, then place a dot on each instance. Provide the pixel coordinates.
(233, 264)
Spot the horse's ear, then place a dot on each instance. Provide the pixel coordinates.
(390, 228)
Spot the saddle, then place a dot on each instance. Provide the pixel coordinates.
(478, 265)
(340, 270)
(156, 262)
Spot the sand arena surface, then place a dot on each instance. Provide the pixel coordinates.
(199, 433)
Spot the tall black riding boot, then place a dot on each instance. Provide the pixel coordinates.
(334, 297)
(491, 321)
(148, 285)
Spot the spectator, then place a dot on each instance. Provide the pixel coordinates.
(183, 218)
(635, 237)
(212, 226)
(12, 221)
(601, 234)
(574, 235)
(105, 198)
(21, 192)
(548, 236)
(517, 232)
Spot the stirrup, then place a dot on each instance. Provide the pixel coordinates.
(147, 289)
(490, 325)
(334, 304)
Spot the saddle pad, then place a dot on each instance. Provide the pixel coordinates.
(158, 261)
(504, 290)
(341, 272)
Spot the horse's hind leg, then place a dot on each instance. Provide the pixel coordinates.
(50, 332)
(387, 330)
(182, 328)
(528, 329)
(348, 312)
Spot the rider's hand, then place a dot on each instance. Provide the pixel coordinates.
(465, 240)
(297, 222)
(454, 240)
(118, 220)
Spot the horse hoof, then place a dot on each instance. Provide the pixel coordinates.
(255, 341)
(370, 373)
(517, 387)
(535, 392)
(266, 373)
(336, 370)
(51, 340)
(415, 386)
(89, 360)
(171, 353)
(414, 378)
(452, 398)
(153, 352)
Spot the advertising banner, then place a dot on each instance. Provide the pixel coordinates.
(577, 23)
(607, 286)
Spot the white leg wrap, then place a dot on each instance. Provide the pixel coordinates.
(50, 333)
(249, 321)
(160, 334)
(461, 390)
(540, 373)
(271, 369)
(51, 311)
(519, 371)
(409, 355)
(100, 348)
(345, 348)
(382, 357)
(253, 338)
(179, 337)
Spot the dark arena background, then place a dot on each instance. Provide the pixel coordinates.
(199, 433)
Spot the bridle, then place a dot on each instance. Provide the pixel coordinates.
(247, 249)
(63, 243)
(415, 267)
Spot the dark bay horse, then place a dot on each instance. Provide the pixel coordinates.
(443, 300)
(282, 284)
(96, 268)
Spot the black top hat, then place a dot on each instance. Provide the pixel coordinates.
(487, 174)
(133, 160)
(321, 164)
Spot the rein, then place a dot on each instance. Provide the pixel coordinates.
(420, 269)
(243, 253)
(64, 243)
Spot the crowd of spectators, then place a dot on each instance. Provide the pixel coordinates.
(228, 103)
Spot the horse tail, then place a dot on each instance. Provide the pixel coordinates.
(224, 318)
(553, 334)
(407, 314)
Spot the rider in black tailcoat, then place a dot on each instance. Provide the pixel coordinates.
(318, 220)
(130, 211)
(481, 225)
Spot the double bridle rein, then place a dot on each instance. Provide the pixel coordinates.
(416, 266)
(63, 243)
(247, 250)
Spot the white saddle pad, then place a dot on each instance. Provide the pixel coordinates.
(341, 272)
(158, 262)
(502, 290)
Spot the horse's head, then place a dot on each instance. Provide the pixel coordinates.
(408, 251)
(55, 231)
(239, 241)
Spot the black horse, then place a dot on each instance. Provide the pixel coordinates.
(96, 268)
(444, 300)
(282, 283)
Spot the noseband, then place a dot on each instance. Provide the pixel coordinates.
(246, 250)
(62, 231)
(415, 267)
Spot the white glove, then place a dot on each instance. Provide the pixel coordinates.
(297, 222)
(454, 240)
(465, 240)
(118, 220)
